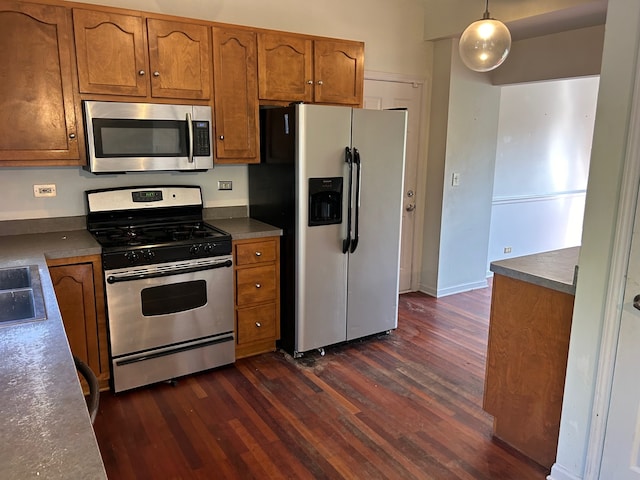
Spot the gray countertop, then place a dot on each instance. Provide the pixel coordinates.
(555, 270)
(43, 416)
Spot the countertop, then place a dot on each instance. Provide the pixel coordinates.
(556, 269)
(44, 419)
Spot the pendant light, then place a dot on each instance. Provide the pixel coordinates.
(485, 44)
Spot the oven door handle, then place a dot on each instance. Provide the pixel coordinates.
(177, 271)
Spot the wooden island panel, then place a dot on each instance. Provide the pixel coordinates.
(526, 365)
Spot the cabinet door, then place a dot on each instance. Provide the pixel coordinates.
(235, 96)
(338, 72)
(180, 59)
(111, 54)
(285, 67)
(78, 286)
(37, 108)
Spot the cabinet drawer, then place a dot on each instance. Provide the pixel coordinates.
(255, 252)
(256, 323)
(255, 285)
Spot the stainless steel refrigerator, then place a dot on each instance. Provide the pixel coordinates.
(331, 177)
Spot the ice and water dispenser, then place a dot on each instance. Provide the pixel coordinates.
(325, 201)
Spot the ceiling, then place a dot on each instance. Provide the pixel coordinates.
(580, 16)
(525, 18)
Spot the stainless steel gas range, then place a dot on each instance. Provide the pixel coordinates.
(168, 283)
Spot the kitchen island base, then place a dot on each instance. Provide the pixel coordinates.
(526, 365)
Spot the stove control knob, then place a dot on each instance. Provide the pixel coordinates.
(208, 248)
(195, 249)
(148, 254)
(131, 256)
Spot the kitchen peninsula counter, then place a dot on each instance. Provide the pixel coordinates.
(529, 329)
(44, 420)
(43, 414)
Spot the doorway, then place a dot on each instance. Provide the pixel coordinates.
(386, 93)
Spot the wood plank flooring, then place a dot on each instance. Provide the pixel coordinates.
(400, 406)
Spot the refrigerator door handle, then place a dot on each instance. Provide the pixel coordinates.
(348, 158)
(356, 234)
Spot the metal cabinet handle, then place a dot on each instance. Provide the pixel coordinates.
(410, 208)
(258, 254)
(258, 324)
(156, 74)
(221, 137)
(72, 135)
(141, 72)
(258, 285)
(320, 82)
(310, 82)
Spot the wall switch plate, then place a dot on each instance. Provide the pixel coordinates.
(48, 190)
(455, 180)
(225, 185)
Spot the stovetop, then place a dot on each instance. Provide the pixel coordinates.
(149, 225)
(158, 235)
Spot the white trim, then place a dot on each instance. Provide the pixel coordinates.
(453, 290)
(627, 208)
(393, 77)
(537, 198)
(558, 472)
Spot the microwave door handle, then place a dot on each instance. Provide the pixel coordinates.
(189, 138)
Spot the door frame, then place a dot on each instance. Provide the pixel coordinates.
(421, 177)
(627, 208)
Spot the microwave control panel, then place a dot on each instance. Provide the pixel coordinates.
(201, 139)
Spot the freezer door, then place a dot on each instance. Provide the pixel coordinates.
(373, 270)
(321, 266)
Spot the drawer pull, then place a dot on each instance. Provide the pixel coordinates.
(258, 254)
(258, 324)
(258, 285)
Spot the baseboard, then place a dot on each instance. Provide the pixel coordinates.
(558, 472)
(452, 290)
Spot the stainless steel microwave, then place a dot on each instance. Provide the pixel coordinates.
(144, 137)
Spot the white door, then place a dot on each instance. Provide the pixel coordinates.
(383, 95)
(621, 456)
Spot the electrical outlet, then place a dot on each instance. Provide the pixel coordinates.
(507, 249)
(48, 190)
(225, 185)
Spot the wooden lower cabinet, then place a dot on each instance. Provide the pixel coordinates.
(257, 295)
(78, 284)
(526, 365)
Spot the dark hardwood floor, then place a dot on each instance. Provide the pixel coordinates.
(401, 406)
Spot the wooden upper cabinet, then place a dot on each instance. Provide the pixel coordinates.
(180, 59)
(296, 68)
(285, 67)
(37, 104)
(111, 53)
(235, 90)
(338, 69)
(118, 55)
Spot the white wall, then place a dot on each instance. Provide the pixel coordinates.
(542, 161)
(456, 229)
(391, 29)
(621, 42)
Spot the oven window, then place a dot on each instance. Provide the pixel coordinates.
(139, 138)
(173, 298)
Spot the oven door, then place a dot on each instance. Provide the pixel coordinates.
(169, 320)
(170, 303)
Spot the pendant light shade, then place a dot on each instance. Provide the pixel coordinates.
(485, 44)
